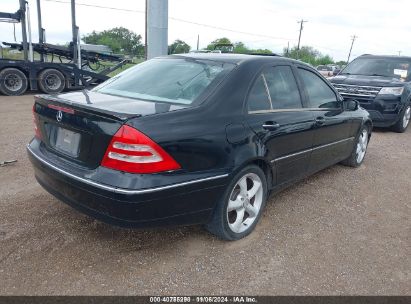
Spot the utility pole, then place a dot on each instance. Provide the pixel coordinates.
(40, 28)
(31, 55)
(74, 29)
(288, 49)
(352, 44)
(198, 41)
(156, 28)
(24, 29)
(301, 29)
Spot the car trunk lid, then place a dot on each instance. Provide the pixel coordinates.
(79, 129)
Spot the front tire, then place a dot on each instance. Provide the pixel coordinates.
(360, 149)
(237, 214)
(404, 121)
(13, 82)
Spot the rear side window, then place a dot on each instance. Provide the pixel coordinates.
(276, 89)
(319, 93)
(258, 99)
(283, 88)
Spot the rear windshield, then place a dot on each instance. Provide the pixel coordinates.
(171, 80)
(389, 67)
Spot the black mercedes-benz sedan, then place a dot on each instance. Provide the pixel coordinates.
(193, 139)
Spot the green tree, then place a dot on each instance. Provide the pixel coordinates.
(240, 48)
(261, 51)
(223, 40)
(324, 60)
(341, 63)
(309, 55)
(178, 47)
(119, 39)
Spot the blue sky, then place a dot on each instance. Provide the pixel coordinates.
(383, 26)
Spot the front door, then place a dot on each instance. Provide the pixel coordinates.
(332, 141)
(276, 114)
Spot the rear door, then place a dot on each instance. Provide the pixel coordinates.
(277, 115)
(332, 142)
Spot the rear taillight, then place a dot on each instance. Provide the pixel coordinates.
(37, 132)
(132, 151)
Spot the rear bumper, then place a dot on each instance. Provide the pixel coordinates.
(183, 203)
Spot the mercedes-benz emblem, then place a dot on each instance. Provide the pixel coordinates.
(59, 116)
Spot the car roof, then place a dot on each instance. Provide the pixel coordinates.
(233, 58)
(385, 56)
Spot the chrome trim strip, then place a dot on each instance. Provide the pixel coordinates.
(120, 190)
(358, 95)
(354, 85)
(312, 149)
(334, 143)
(292, 110)
(291, 155)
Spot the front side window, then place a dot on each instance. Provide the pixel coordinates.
(319, 93)
(178, 81)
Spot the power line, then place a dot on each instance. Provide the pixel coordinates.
(177, 19)
(268, 37)
(99, 6)
(229, 30)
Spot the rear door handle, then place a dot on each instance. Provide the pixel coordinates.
(271, 125)
(319, 121)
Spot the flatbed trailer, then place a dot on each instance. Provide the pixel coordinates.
(18, 76)
(75, 68)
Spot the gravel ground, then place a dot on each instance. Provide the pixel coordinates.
(342, 231)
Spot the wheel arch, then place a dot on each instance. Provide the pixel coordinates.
(263, 164)
(368, 123)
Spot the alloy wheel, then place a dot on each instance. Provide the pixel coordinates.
(407, 117)
(362, 146)
(245, 203)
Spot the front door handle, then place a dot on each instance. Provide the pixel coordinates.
(319, 121)
(271, 125)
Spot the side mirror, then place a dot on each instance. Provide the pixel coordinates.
(351, 104)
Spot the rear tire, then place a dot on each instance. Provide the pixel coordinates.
(241, 206)
(404, 121)
(13, 82)
(360, 149)
(51, 81)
